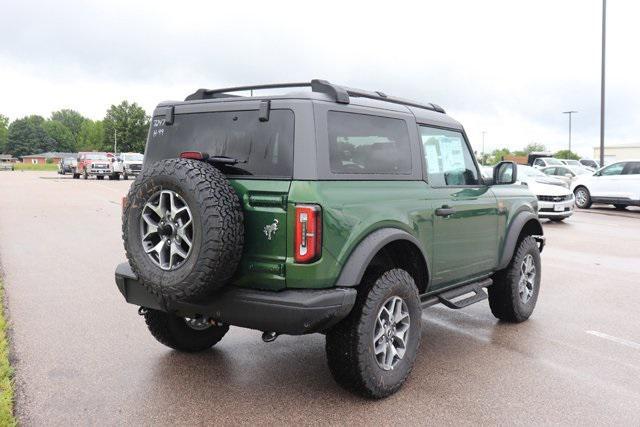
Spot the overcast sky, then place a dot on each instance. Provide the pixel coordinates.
(505, 67)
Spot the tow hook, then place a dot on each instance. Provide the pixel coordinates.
(269, 336)
(142, 311)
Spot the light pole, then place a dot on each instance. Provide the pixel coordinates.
(483, 133)
(569, 113)
(604, 34)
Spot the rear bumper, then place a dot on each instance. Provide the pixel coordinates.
(293, 311)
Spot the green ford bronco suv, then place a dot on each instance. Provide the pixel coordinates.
(332, 210)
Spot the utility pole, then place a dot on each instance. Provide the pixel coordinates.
(569, 113)
(604, 35)
(483, 133)
(115, 142)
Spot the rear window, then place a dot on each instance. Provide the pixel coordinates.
(263, 149)
(364, 144)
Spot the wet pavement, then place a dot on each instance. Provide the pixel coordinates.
(83, 356)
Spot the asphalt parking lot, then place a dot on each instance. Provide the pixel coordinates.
(83, 356)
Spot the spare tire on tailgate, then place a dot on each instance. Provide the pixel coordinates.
(182, 228)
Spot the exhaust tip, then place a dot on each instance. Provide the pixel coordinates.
(269, 336)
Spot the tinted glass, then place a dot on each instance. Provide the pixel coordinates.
(363, 144)
(632, 168)
(538, 162)
(615, 169)
(448, 159)
(550, 171)
(262, 149)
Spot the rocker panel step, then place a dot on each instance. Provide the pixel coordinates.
(447, 297)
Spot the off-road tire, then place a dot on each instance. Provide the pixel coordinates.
(587, 203)
(217, 224)
(349, 345)
(620, 207)
(504, 298)
(173, 332)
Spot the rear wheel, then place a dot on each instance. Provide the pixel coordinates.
(182, 333)
(582, 197)
(183, 229)
(514, 292)
(372, 351)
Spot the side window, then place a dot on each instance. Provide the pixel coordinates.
(551, 171)
(364, 144)
(615, 169)
(448, 159)
(538, 162)
(632, 168)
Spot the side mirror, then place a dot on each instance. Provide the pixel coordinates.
(568, 175)
(505, 173)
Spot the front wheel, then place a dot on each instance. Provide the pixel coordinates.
(372, 351)
(582, 197)
(514, 292)
(183, 334)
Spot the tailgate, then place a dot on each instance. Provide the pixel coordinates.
(264, 205)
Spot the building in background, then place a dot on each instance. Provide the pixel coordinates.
(49, 157)
(616, 153)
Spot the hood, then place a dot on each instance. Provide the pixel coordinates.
(542, 189)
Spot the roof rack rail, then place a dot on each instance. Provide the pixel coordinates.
(340, 94)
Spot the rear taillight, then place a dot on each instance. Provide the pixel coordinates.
(195, 155)
(308, 235)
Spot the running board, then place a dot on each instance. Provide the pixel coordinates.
(447, 297)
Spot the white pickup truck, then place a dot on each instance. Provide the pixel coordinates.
(126, 164)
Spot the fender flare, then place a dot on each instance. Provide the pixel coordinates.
(517, 224)
(361, 256)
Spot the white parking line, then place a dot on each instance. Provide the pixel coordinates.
(622, 341)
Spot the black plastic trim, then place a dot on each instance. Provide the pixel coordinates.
(293, 311)
(517, 224)
(361, 256)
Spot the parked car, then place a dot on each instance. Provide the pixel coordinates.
(565, 173)
(92, 164)
(337, 211)
(6, 163)
(543, 162)
(67, 165)
(555, 202)
(590, 163)
(126, 164)
(617, 184)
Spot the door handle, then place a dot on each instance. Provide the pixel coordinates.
(445, 211)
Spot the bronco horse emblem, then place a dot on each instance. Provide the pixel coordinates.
(270, 229)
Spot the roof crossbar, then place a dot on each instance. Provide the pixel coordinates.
(340, 94)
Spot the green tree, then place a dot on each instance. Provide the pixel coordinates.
(71, 119)
(566, 154)
(497, 155)
(4, 132)
(534, 147)
(27, 136)
(130, 123)
(64, 140)
(91, 136)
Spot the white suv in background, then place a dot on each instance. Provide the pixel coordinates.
(543, 162)
(617, 184)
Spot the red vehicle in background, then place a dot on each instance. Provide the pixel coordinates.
(92, 163)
